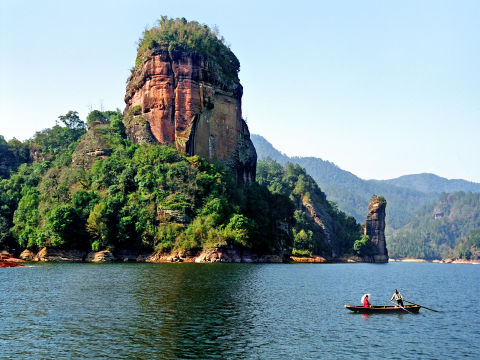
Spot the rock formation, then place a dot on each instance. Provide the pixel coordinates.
(375, 228)
(93, 146)
(183, 98)
(322, 223)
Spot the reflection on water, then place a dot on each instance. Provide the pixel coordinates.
(235, 311)
(175, 324)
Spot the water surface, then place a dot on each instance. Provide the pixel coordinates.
(236, 311)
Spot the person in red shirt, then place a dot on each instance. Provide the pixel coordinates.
(366, 303)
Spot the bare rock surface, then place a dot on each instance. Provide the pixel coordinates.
(100, 256)
(56, 255)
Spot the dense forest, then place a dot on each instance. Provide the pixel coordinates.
(149, 197)
(446, 228)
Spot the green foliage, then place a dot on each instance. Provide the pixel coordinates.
(65, 227)
(239, 230)
(467, 247)
(363, 246)
(303, 240)
(12, 154)
(140, 197)
(26, 220)
(96, 116)
(301, 253)
(438, 228)
(57, 143)
(73, 122)
(182, 35)
(379, 199)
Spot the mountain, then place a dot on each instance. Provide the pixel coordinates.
(173, 175)
(433, 183)
(184, 91)
(440, 229)
(350, 192)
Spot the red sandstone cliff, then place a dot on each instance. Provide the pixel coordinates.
(182, 98)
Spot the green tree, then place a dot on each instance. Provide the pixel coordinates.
(363, 246)
(66, 227)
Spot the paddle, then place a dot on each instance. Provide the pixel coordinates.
(421, 306)
(401, 307)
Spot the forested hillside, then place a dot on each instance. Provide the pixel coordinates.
(448, 227)
(141, 197)
(412, 230)
(433, 183)
(351, 193)
(70, 188)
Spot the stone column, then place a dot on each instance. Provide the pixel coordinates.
(375, 227)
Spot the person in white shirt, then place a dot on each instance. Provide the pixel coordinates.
(397, 296)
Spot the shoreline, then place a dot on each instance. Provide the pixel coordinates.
(212, 255)
(442, 261)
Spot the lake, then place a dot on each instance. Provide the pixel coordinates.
(236, 311)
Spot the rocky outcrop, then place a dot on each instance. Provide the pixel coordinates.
(224, 254)
(322, 222)
(27, 255)
(57, 255)
(7, 260)
(182, 98)
(375, 228)
(93, 146)
(308, 259)
(100, 256)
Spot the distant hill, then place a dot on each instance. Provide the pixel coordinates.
(433, 183)
(449, 226)
(404, 195)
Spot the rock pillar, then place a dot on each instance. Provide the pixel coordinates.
(375, 228)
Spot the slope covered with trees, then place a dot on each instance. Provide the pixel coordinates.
(405, 195)
(137, 197)
(433, 183)
(448, 227)
(95, 190)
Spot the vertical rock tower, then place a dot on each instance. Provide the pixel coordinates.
(184, 90)
(375, 227)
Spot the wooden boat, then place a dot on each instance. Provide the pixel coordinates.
(383, 309)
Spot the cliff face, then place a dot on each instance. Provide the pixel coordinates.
(375, 228)
(322, 222)
(182, 98)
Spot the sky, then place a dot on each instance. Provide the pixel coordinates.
(380, 88)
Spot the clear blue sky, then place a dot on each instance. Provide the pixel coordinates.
(380, 88)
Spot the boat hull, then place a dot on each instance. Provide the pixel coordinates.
(383, 309)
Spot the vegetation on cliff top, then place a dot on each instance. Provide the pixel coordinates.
(182, 35)
(378, 199)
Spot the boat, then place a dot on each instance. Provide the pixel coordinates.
(383, 309)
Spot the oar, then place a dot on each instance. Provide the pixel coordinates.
(421, 306)
(400, 306)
